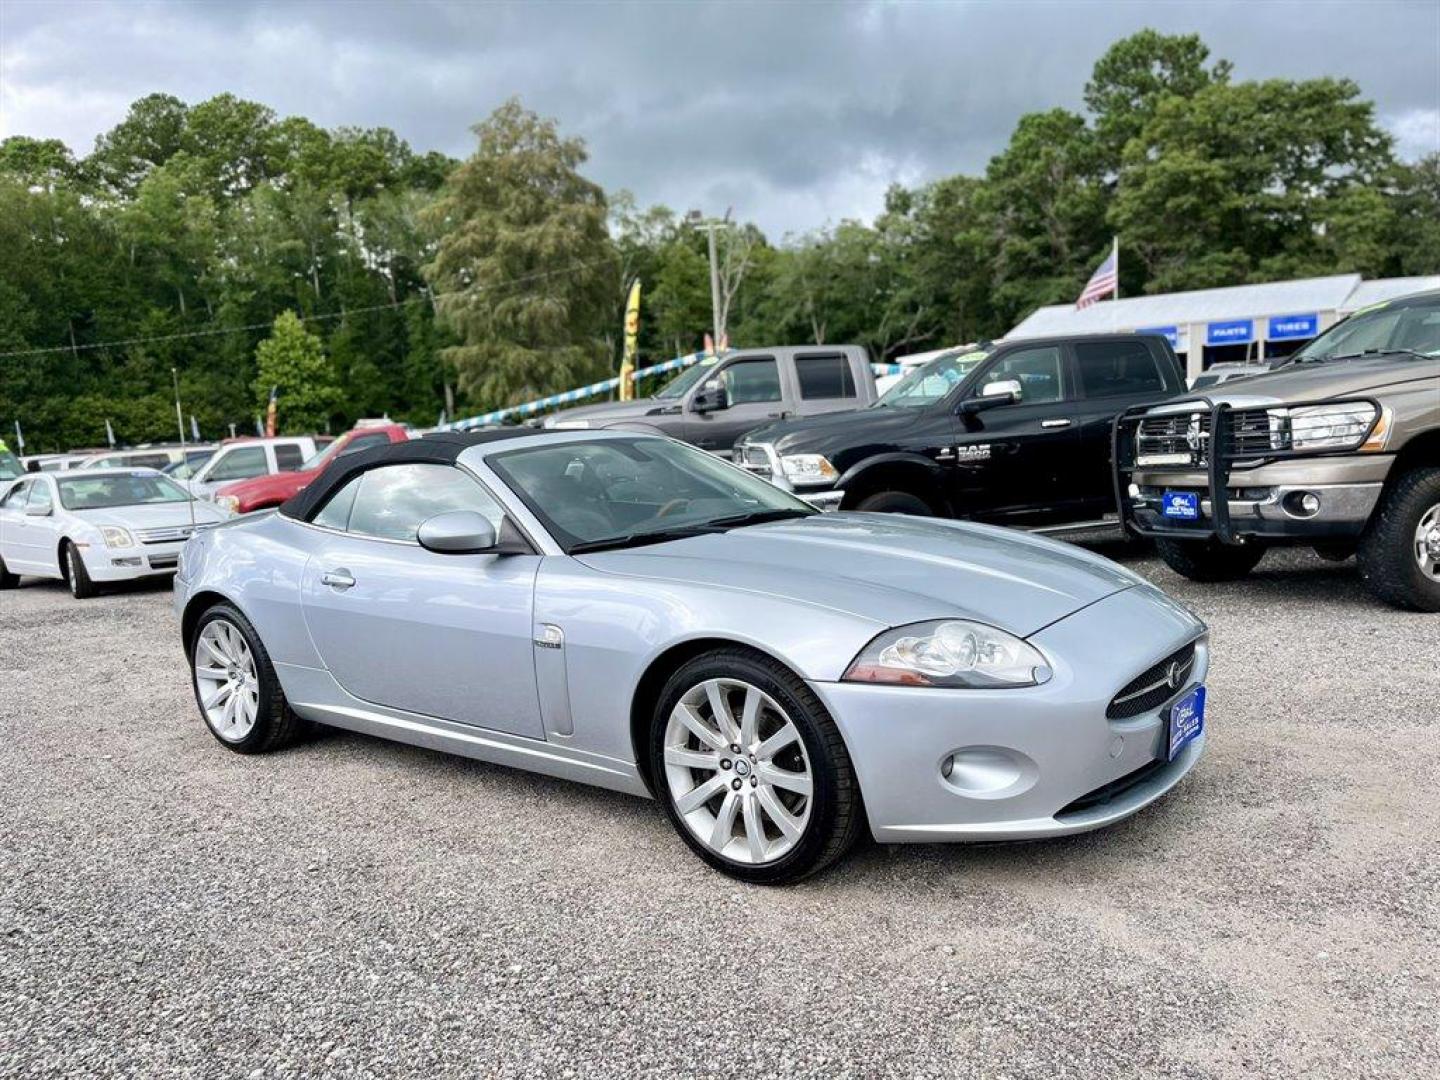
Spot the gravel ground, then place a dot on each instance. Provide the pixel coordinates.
(354, 907)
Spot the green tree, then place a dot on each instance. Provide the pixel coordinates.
(292, 361)
(523, 268)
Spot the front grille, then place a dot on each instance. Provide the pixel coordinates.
(755, 459)
(1109, 792)
(1154, 686)
(167, 535)
(1183, 439)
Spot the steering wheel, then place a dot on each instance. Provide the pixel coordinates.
(671, 507)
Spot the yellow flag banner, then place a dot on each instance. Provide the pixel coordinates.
(632, 343)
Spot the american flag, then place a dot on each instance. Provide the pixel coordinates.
(1104, 282)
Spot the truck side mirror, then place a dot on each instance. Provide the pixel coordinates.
(711, 397)
(994, 394)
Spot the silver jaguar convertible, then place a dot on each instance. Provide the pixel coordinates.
(628, 611)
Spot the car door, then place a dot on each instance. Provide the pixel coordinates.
(13, 547)
(448, 636)
(1110, 376)
(233, 463)
(752, 385)
(826, 382)
(42, 528)
(1009, 462)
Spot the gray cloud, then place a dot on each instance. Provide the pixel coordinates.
(796, 114)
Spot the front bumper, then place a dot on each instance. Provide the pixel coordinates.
(1035, 762)
(128, 563)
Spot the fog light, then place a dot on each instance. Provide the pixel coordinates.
(134, 561)
(1302, 504)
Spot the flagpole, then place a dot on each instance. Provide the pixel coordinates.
(1115, 255)
(180, 423)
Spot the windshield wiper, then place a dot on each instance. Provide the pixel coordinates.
(649, 536)
(758, 517)
(1416, 353)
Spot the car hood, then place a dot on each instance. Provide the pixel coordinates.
(1319, 382)
(809, 432)
(270, 484)
(153, 516)
(612, 411)
(889, 569)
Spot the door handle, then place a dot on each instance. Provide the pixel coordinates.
(1054, 423)
(337, 579)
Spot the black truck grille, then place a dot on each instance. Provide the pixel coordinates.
(1154, 686)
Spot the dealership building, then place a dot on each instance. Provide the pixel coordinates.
(1241, 322)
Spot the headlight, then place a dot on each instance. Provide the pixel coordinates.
(1330, 427)
(229, 503)
(116, 537)
(807, 469)
(949, 653)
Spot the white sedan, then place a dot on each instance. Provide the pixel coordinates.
(96, 525)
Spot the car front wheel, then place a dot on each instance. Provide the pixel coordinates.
(236, 686)
(751, 770)
(1400, 551)
(1209, 560)
(76, 576)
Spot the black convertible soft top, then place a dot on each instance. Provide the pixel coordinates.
(439, 448)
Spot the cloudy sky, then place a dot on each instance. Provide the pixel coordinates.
(795, 114)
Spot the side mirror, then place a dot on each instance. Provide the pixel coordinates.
(711, 397)
(37, 511)
(464, 532)
(994, 394)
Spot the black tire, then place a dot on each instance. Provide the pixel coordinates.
(276, 724)
(7, 579)
(895, 502)
(1388, 562)
(76, 576)
(836, 814)
(1209, 560)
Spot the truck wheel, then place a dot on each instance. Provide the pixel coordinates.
(1209, 560)
(1400, 551)
(894, 502)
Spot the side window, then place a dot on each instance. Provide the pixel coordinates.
(240, 464)
(825, 377)
(1117, 369)
(393, 500)
(40, 495)
(148, 461)
(363, 442)
(1036, 370)
(335, 514)
(288, 457)
(752, 380)
(15, 497)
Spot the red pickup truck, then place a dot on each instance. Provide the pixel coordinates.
(263, 492)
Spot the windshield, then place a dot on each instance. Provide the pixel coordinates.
(681, 384)
(325, 455)
(618, 492)
(930, 382)
(10, 466)
(1402, 327)
(117, 489)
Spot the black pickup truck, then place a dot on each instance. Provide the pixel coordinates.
(1016, 433)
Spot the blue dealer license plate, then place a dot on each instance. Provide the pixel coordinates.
(1187, 720)
(1184, 505)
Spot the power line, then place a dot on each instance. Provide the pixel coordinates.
(250, 327)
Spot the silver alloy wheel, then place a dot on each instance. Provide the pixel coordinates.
(738, 773)
(68, 558)
(225, 676)
(1427, 543)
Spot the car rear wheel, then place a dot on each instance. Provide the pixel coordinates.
(1209, 560)
(236, 687)
(894, 502)
(1400, 551)
(751, 770)
(72, 565)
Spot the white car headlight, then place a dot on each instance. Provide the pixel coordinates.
(116, 537)
(229, 503)
(950, 653)
(1330, 427)
(807, 469)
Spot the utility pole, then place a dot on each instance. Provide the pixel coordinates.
(698, 220)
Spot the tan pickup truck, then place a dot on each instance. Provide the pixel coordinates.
(1338, 449)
